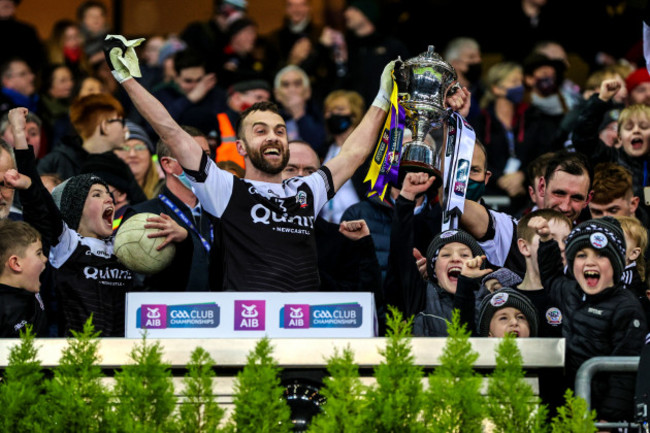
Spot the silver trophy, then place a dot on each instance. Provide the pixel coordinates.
(423, 84)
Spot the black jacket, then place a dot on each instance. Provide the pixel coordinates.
(427, 301)
(345, 265)
(19, 308)
(192, 264)
(609, 323)
(378, 214)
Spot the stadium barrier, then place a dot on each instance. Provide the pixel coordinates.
(295, 354)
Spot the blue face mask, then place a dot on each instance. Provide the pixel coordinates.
(515, 94)
(184, 180)
(475, 190)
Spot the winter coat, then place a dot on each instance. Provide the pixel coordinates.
(609, 323)
(19, 308)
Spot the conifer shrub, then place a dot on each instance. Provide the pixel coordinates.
(395, 403)
(345, 410)
(259, 401)
(76, 399)
(200, 412)
(22, 389)
(453, 402)
(512, 405)
(145, 392)
(573, 416)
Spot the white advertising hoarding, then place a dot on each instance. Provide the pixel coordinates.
(250, 314)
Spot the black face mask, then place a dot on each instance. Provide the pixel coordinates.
(338, 123)
(546, 86)
(474, 71)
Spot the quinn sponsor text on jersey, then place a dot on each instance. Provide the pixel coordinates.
(267, 228)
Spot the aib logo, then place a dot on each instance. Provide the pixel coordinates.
(296, 316)
(153, 316)
(250, 315)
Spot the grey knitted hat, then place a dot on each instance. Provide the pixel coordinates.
(505, 276)
(70, 197)
(605, 235)
(136, 132)
(445, 238)
(503, 298)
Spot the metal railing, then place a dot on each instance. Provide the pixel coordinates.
(586, 372)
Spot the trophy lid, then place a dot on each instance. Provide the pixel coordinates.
(430, 58)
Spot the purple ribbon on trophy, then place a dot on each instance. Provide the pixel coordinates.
(384, 168)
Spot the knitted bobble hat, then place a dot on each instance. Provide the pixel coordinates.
(445, 238)
(505, 276)
(605, 235)
(70, 197)
(504, 298)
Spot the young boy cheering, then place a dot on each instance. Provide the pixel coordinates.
(602, 318)
(22, 261)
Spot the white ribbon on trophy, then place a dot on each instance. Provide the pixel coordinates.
(458, 163)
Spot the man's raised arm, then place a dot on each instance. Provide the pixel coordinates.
(123, 62)
(475, 219)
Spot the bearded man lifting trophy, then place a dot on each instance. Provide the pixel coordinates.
(423, 90)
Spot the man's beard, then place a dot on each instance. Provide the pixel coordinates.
(260, 163)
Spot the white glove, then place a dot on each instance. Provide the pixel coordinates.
(382, 100)
(121, 57)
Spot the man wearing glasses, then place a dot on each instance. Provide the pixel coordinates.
(99, 121)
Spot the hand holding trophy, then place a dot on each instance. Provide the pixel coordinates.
(424, 95)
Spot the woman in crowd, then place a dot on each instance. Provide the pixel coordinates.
(501, 130)
(343, 112)
(65, 46)
(138, 153)
(58, 84)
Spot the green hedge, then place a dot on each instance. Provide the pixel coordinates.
(75, 398)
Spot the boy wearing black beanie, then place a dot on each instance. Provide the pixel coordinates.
(602, 318)
(76, 223)
(432, 301)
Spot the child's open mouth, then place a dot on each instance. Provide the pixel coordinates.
(453, 273)
(107, 216)
(592, 278)
(515, 333)
(637, 143)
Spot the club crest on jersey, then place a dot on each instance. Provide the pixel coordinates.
(301, 199)
(554, 316)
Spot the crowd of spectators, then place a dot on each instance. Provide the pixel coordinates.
(240, 140)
